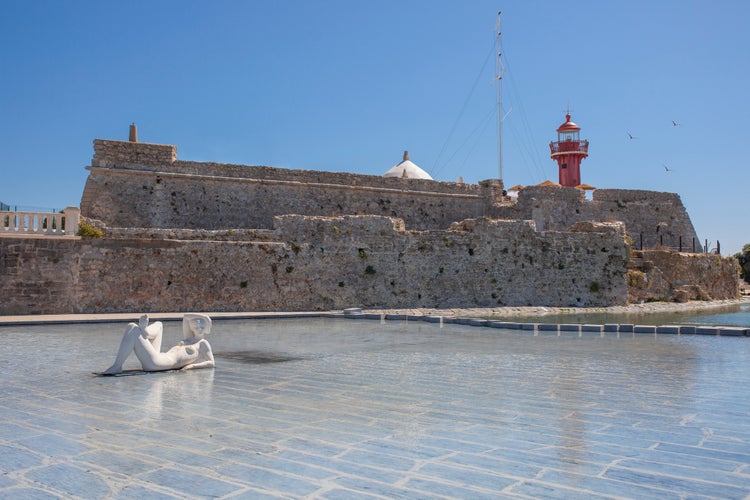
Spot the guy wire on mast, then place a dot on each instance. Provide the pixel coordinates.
(499, 101)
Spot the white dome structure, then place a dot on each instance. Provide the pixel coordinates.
(407, 170)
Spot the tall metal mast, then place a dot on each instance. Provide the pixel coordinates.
(499, 67)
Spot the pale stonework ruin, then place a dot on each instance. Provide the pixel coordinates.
(181, 235)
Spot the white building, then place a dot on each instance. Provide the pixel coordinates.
(407, 170)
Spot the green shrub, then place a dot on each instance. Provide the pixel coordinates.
(743, 259)
(86, 230)
(636, 278)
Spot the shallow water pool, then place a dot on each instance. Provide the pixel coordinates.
(732, 315)
(343, 408)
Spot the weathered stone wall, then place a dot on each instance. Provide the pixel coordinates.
(651, 219)
(108, 153)
(39, 275)
(317, 264)
(144, 185)
(203, 236)
(144, 190)
(660, 275)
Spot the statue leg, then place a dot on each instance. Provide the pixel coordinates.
(154, 334)
(127, 345)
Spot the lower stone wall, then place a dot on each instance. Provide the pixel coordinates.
(327, 263)
(39, 275)
(660, 275)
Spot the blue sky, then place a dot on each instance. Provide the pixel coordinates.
(349, 85)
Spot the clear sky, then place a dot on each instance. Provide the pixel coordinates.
(347, 85)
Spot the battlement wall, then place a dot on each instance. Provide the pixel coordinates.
(144, 185)
(135, 189)
(317, 263)
(635, 196)
(320, 263)
(109, 153)
(159, 158)
(651, 218)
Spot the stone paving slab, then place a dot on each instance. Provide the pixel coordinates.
(343, 408)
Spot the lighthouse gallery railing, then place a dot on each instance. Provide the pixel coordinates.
(569, 147)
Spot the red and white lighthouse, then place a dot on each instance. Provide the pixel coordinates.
(568, 151)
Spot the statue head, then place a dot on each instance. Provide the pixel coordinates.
(195, 325)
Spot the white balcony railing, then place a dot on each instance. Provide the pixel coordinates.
(40, 223)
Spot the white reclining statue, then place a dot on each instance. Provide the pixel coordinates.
(145, 341)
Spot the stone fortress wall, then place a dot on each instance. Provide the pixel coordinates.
(144, 185)
(317, 263)
(652, 219)
(186, 236)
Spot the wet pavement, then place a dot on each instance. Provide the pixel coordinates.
(356, 408)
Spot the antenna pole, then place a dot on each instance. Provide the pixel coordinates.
(499, 67)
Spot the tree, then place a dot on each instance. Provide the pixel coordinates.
(743, 258)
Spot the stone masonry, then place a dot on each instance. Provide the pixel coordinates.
(149, 188)
(144, 185)
(183, 236)
(320, 263)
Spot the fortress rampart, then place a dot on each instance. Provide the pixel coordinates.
(139, 188)
(652, 219)
(183, 236)
(319, 263)
(144, 185)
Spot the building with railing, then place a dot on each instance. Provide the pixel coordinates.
(64, 223)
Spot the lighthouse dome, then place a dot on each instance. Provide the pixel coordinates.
(568, 126)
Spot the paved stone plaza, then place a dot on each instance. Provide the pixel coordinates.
(345, 409)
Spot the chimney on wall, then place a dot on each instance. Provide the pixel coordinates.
(133, 133)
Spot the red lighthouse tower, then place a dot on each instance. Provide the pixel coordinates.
(568, 151)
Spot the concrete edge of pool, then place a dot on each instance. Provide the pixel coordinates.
(358, 314)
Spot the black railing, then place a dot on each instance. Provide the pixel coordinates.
(679, 245)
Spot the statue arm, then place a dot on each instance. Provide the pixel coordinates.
(206, 354)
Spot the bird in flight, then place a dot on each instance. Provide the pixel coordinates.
(631, 136)
(666, 168)
(675, 124)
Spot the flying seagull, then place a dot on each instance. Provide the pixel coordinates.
(666, 168)
(631, 136)
(675, 124)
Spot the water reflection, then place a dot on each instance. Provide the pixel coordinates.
(172, 395)
(730, 315)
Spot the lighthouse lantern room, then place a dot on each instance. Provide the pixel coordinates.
(568, 151)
